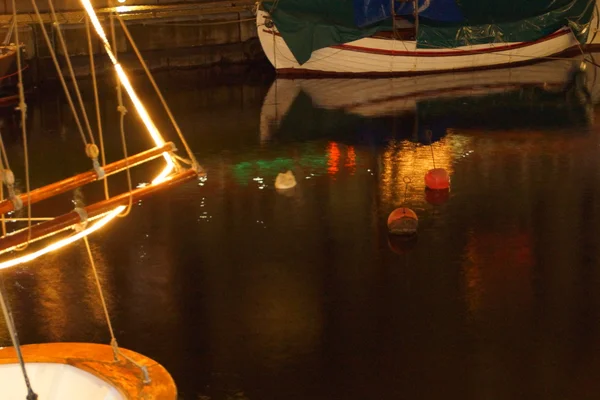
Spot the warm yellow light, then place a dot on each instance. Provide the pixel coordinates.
(165, 172)
(139, 106)
(121, 1)
(37, 239)
(94, 19)
(141, 110)
(63, 242)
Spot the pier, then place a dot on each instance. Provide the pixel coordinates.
(169, 35)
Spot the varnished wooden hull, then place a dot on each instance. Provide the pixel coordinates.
(123, 380)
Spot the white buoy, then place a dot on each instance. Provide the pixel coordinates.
(285, 181)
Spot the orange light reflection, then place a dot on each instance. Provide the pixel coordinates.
(333, 158)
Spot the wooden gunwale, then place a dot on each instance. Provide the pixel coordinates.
(98, 360)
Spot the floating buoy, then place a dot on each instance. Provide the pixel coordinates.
(437, 197)
(437, 179)
(285, 181)
(403, 221)
(402, 244)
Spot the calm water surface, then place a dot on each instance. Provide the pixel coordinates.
(242, 292)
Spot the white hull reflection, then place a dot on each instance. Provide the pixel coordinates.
(396, 96)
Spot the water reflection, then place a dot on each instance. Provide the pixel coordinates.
(241, 291)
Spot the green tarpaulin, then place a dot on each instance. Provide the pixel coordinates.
(575, 14)
(309, 25)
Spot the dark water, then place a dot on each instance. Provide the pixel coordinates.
(242, 292)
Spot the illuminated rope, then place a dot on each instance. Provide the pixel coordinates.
(63, 242)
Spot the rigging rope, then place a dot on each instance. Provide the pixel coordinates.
(113, 340)
(59, 72)
(407, 182)
(122, 111)
(61, 40)
(23, 110)
(159, 93)
(91, 150)
(429, 135)
(10, 323)
(8, 178)
(97, 101)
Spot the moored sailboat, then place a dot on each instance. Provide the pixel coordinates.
(373, 38)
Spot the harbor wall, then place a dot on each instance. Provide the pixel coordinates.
(169, 35)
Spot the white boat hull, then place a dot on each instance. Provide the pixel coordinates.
(53, 381)
(76, 371)
(386, 56)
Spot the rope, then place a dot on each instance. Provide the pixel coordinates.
(10, 323)
(8, 178)
(159, 93)
(23, 110)
(97, 101)
(63, 44)
(4, 154)
(113, 340)
(429, 134)
(3, 219)
(91, 150)
(122, 111)
(407, 181)
(59, 72)
(274, 49)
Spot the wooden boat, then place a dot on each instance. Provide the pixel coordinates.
(75, 371)
(399, 52)
(64, 371)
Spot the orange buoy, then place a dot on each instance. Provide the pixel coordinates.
(437, 197)
(402, 244)
(403, 221)
(437, 179)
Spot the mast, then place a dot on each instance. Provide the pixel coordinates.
(393, 10)
(416, 13)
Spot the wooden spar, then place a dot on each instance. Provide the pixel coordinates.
(84, 178)
(66, 220)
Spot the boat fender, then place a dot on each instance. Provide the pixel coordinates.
(285, 181)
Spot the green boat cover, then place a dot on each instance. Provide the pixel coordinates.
(309, 25)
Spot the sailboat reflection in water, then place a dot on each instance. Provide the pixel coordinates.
(398, 113)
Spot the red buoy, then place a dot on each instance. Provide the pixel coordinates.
(437, 179)
(437, 197)
(403, 221)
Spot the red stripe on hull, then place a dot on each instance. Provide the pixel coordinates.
(424, 53)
